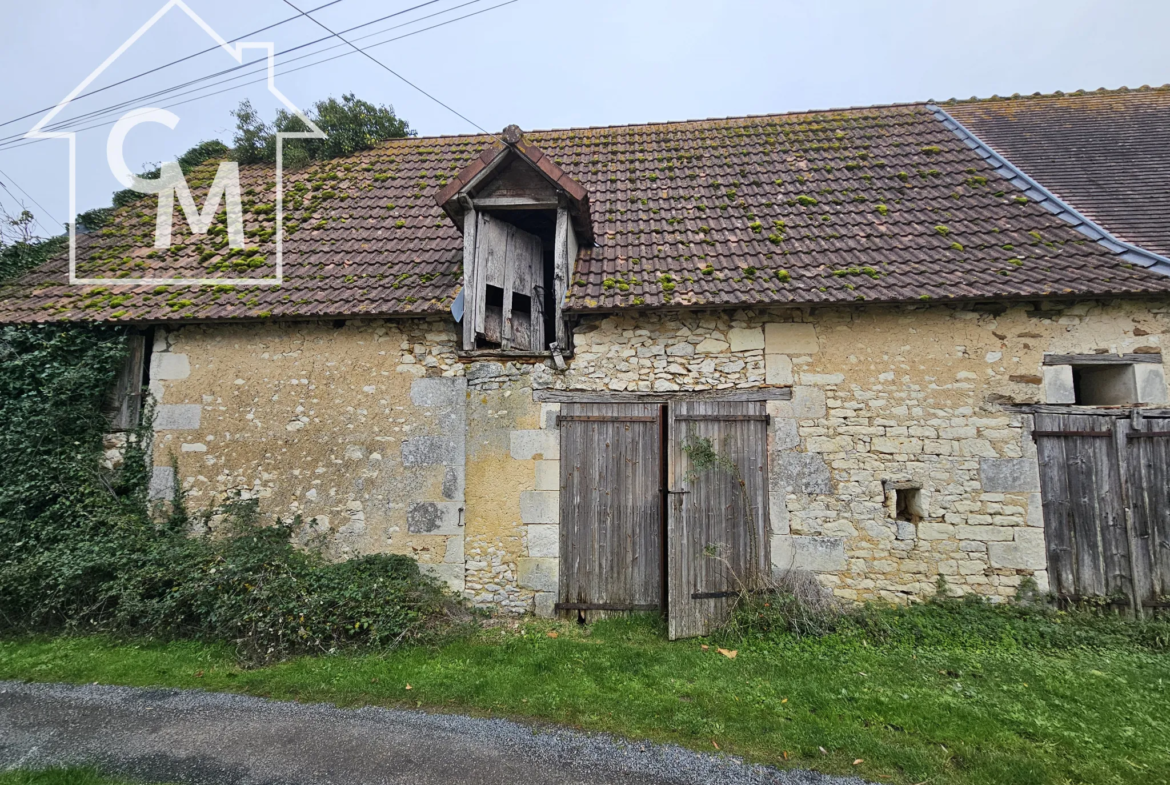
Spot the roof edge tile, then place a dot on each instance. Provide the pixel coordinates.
(1032, 189)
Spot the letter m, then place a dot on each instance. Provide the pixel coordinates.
(226, 185)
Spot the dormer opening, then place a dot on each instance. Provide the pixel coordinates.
(521, 218)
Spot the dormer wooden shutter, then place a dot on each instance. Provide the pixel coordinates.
(510, 260)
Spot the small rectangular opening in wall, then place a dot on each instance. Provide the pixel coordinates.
(1105, 385)
(907, 504)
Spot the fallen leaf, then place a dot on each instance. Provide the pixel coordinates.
(785, 754)
(784, 701)
(374, 680)
(199, 674)
(858, 761)
(409, 687)
(713, 742)
(704, 647)
(552, 634)
(729, 654)
(823, 750)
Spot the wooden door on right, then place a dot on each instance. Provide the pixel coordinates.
(717, 531)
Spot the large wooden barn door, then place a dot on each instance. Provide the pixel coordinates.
(611, 509)
(1104, 484)
(1147, 467)
(717, 530)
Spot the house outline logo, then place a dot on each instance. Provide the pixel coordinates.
(152, 114)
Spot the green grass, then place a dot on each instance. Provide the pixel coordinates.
(985, 713)
(58, 777)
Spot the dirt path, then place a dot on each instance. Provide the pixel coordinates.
(213, 739)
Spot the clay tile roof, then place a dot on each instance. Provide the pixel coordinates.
(1105, 153)
(880, 204)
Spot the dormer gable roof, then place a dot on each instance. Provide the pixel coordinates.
(511, 157)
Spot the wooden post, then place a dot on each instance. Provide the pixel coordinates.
(471, 298)
(561, 269)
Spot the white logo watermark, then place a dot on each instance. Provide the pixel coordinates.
(171, 183)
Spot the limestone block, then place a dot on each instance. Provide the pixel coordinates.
(1026, 552)
(484, 370)
(746, 340)
(451, 574)
(435, 518)
(799, 472)
(933, 530)
(454, 552)
(548, 475)
(712, 346)
(816, 554)
(681, 350)
(821, 379)
(1035, 510)
(1151, 382)
(540, 444)
(544, 604)
(540, 506)
(808, 403)
(544, 541)
(778, 513)
(896, 445)
(538, 574)
(1058, 384)
(432, 451)
(906, 531)
(438, 391)
(788, 338)
(785, 435)
(548, 414)
(170, 367)
(986, 533)
(778, 369)
(178, 417)
(162, 484)
(1000, 475)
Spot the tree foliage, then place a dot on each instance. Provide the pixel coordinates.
(351, 125)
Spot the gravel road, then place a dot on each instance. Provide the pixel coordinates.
(213, 739)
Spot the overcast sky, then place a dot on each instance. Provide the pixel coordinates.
(547, 64)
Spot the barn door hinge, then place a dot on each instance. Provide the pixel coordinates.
(1037, 434)
(563, 418)
(674, 493)
(766, 418)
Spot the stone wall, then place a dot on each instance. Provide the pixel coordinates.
(885, 399)
(360, 429)
(378, 435)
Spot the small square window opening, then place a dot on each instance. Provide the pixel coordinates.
(907, 504)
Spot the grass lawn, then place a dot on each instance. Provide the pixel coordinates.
(997, 716)
(57, 777)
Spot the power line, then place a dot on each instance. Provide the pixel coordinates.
(26, 193)
(173, 62)
(8, 141)
(17, 141)
(373, 59)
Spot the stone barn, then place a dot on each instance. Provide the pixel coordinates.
(598, 370)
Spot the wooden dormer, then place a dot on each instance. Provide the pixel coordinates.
(523, 219)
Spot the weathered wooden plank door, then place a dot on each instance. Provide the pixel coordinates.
(1147, 463)
(511, 260)
(717, 510)
(1084, 510)
(611, 509)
